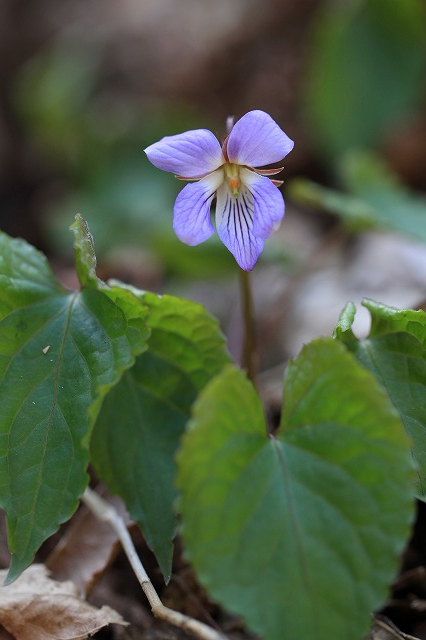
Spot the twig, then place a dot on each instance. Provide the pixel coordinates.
(106, 512)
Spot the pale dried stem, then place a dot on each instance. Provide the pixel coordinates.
(106, 512)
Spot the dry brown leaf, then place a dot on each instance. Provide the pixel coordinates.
(5, 635)
(86, 549)
(35, 607)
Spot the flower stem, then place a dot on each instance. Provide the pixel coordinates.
(248, 355)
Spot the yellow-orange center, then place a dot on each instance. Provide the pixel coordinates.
(232, 173)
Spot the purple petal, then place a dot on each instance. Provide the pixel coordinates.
(191, 220)
(234, 223)
(191, 154)
(268, 203)
(257, 140)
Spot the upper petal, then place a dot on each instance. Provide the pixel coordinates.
(191, 154)
(268, 203)
(257, 140)
(234, 223)
(191, 221)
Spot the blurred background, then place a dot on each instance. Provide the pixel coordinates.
(85, 86)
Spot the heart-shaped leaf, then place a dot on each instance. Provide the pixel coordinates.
(60, 352)
(298, 532)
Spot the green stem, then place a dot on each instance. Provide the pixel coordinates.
(248, 356)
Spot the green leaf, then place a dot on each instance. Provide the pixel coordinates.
(355, 213)
(60, 352)
(376, 199)
(365, 71)
(298, 532)
(142, 419)
(85, 258)
(343, 329)
(369, 180)
(395, 351)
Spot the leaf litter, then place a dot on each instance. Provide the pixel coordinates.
(36, 607)
(86, 549)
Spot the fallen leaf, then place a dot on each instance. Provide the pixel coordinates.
(86, 549)
(35, 607)
(5, 635)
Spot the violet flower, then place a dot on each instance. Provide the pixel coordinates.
(249, 206)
